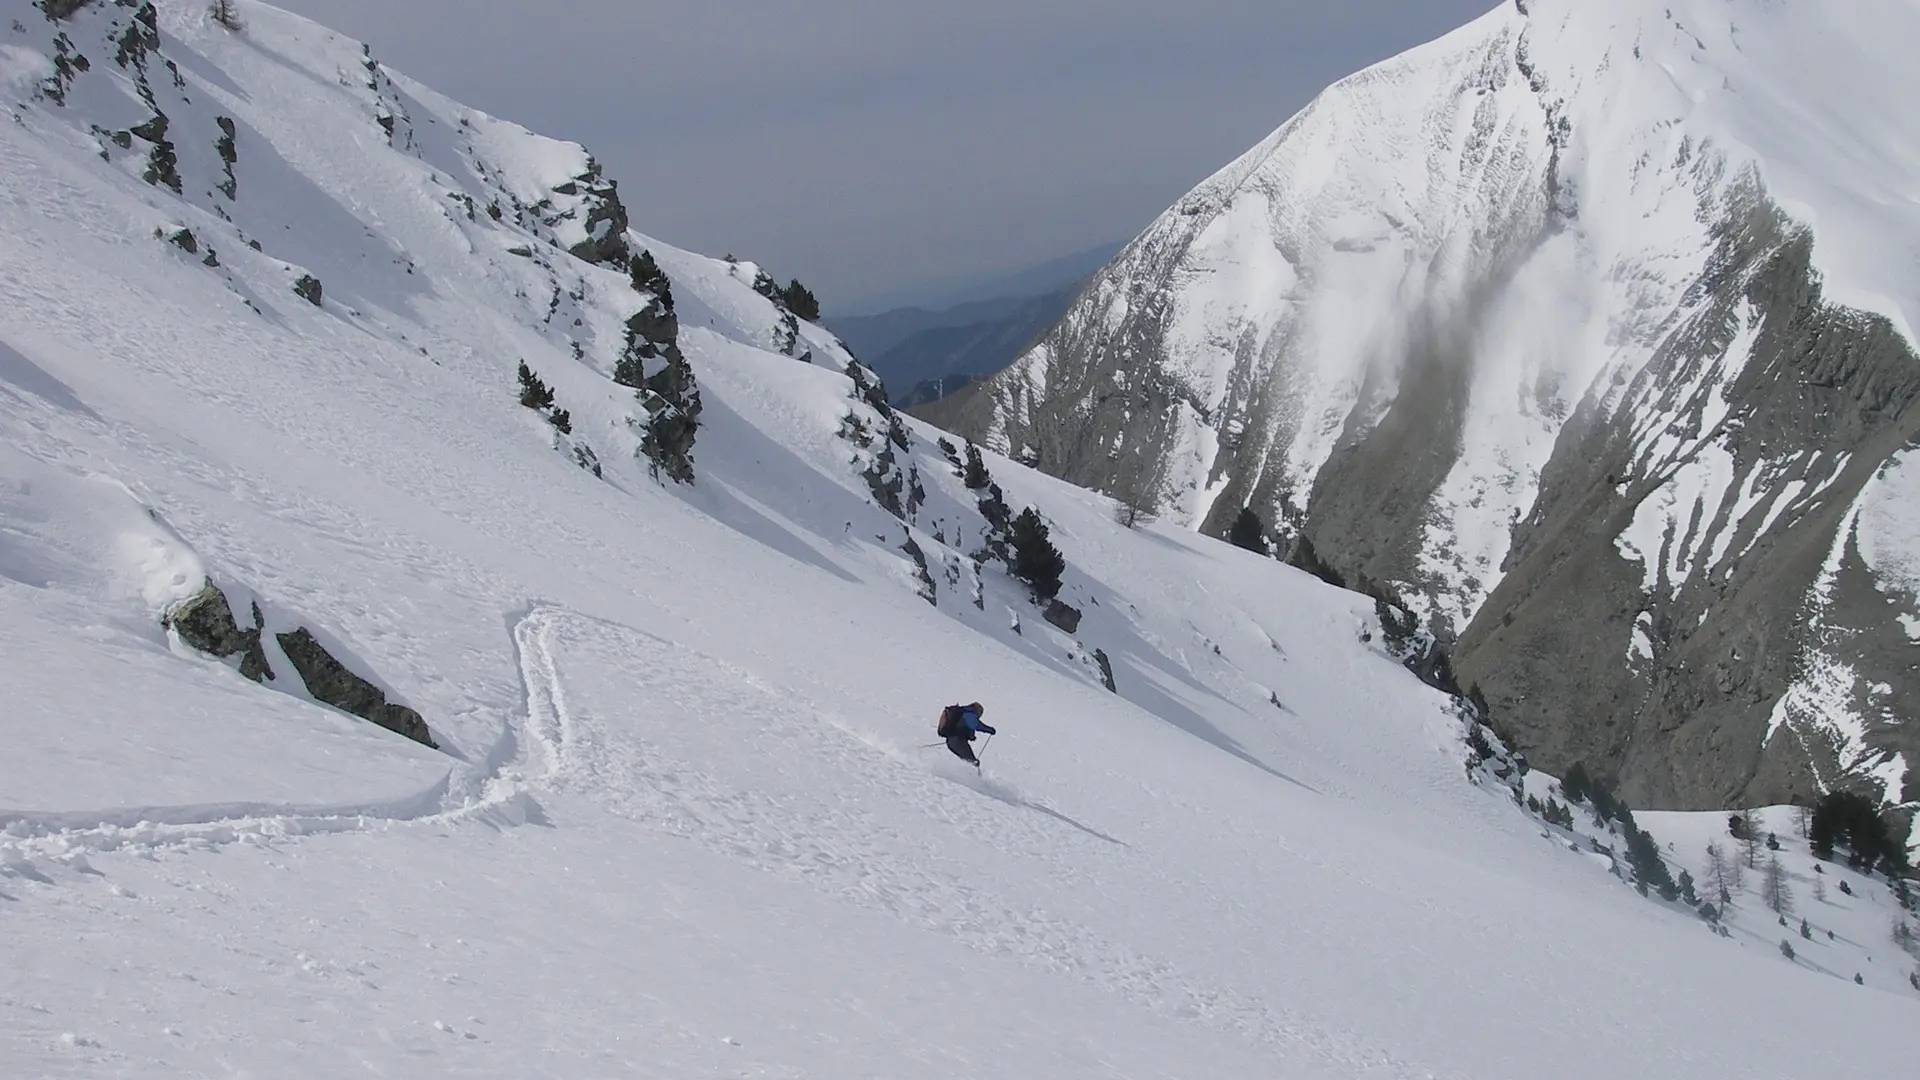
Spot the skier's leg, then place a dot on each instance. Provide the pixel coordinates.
(958, 744)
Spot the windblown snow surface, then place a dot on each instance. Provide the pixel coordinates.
(684, 821)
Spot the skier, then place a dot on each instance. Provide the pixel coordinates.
(957, 725)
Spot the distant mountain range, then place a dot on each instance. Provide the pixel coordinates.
(927, 354)
(1030, 280)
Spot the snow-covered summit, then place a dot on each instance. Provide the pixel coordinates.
(682, 818)
(1583, 331)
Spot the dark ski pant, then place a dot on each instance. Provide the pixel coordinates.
(958, 744)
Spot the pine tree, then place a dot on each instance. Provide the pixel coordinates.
(1844, 817)
(1249, 531)
(1649, 869)
(975, 474)
(1035, 560)
(1686, 889)
(1806, 931)
(534, 394)
(1397, 630)
(800, 300)
(1575, 784)
(226, 14)
(647, 277)
(1786, 948)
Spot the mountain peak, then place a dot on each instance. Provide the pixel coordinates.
(1572, 331)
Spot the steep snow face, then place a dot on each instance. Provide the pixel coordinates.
(684, 818)
(1554, 284)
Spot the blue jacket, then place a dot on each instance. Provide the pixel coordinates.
(972, 720)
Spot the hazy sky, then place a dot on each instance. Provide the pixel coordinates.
(868, 145)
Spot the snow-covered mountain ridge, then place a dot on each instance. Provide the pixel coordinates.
(682, 819)
(1585, 331)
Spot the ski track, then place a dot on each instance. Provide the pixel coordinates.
(505, 786)
(630, 750)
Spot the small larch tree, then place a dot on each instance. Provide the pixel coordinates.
(1134, 510)
(1774, 888)
(1750, 837)
(227, 14)
(1719, 873)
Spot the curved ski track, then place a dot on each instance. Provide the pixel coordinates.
(499, 790)
(768, 814)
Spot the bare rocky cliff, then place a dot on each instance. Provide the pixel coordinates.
(1535, 331)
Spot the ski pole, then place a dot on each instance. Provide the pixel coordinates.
(983, 751)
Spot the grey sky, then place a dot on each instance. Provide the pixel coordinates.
(867, 145)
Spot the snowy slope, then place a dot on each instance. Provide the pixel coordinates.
(1583, 320)
(683, 820)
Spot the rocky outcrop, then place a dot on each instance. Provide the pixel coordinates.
(206, 622)
(308, 288)
(1063, 615)
(329, 681)
(880, 467)
(602, 215)
(651, 362)
(922, 574)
